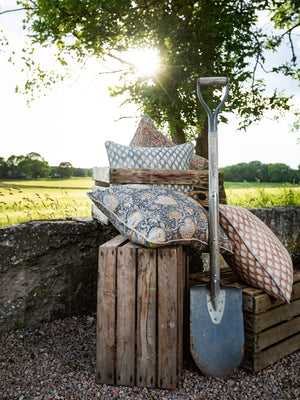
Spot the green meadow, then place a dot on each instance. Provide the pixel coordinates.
(44, 199)
(62, 198)
(257, 194)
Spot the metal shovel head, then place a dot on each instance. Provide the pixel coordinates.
(217, 342)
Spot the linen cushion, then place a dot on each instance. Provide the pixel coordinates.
(177, 157)
(147, 135)
(259, 257)
(155, 217)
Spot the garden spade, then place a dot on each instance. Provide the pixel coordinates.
(216, 330)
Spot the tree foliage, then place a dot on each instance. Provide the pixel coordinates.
(65, 169)
(32, 165)
(203, 38)
(255, 171)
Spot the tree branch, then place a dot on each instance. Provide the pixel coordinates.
(124, 117)
(14, 10)
(289, 31)
(294, 58)
(120, 59)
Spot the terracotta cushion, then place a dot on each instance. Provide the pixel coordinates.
(147, 135)
(259, 257)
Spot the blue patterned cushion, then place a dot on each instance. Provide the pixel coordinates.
(176, 157)
(156, 217)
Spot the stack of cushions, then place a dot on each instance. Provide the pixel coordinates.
(176, 157)
(147, 135)
(154, 217)
(259, 257)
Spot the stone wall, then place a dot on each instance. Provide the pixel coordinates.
(48, 269)
(285, 223)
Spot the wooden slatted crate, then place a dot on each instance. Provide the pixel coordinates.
(105, 176)
(140, 314)
(272, 327)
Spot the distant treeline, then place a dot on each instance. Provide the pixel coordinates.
(33, 166)
(255, 171)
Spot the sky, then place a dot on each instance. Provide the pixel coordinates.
(74, 119)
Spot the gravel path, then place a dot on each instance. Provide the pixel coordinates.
(57, 361)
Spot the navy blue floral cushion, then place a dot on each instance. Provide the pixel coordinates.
(153, 217)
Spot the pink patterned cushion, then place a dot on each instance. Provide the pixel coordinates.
(259, 257)
(147, 135)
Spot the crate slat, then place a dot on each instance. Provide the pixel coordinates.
(126, 274)
(259, 322)
(272, 335)
(152, 176)
(181, 277)
(146, 318)
(274, 353)
(263, 302)
(167, 318)
(106, 313)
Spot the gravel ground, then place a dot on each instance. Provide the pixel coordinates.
(57, 361)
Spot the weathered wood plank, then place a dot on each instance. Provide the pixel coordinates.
(272, 354)
(146, 318)
(115, 242)
(201, 196)
(167, 318)
(256, 343)
(105, 353)
(264, 302)
(139, 175)
(181, 268)
(101, 174)
(126, 281)
(259, 322)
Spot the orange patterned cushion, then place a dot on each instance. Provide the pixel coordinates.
(147, 135)
(259, 257)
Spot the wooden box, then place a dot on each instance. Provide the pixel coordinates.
(272, 327)
(140, 314)
(105, 176)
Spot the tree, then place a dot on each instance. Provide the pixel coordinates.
(203, 38)
(12, 166)
(3, 168)
(65, 169)
(255, 170)
(279, 173)
(33, 165)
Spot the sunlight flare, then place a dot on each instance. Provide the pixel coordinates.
(145, 61)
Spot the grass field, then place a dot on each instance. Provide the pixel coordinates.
(61, 198)
(44, 199)
(250, 194)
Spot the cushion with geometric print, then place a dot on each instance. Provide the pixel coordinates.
(147, 135)
(259, 257)
(176, 157)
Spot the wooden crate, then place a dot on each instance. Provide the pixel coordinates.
(105, 176)
(272, 327)
(140, 314)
